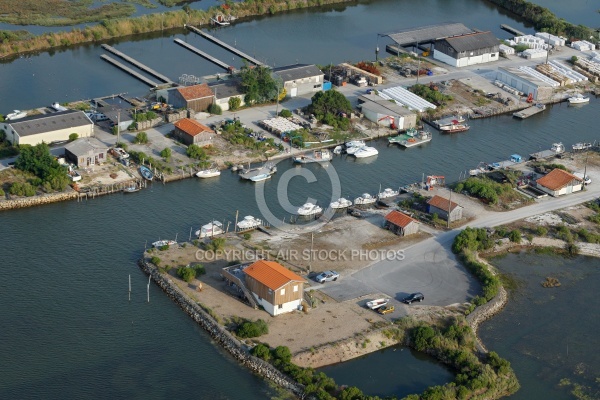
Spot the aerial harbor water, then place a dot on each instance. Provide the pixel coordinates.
(69, 330)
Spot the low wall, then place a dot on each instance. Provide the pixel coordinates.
(23, 202)
(219, 333)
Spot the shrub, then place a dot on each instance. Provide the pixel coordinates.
(234, 103)
(261, 351)
(155, 260)
(166, 153)
(541, 231)
(196, 152)
(73, 136)
(2, 194)
(515, 236)
(421, 335)
(216, 244)
(247, 236)
(188, 274)
(251, 329)
(141, 138)
(282, 353)
(200, 270)
(215, 109)
(22, 189)
(285, 113)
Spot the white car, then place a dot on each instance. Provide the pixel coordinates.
(327, 276)
(586, 179)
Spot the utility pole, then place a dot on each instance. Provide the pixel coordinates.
(312, 241)
(118, 127)
(449, 208)
(418, 63)
(277, 108)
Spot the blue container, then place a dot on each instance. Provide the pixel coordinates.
(326, 85)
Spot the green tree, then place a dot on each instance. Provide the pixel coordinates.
(251, 329)
(329, 102)
(515, 236)
(261, 351)
(166, 153)
(155, 260)
(38, 160)
(258, 84)
(282, 353)
(234, 103)
(73, 136)
(285, 113)
(421, 335)
(196, 152)
(141, 138)
(2, 194)
(22, 189)
(215, 109)
(351, 393)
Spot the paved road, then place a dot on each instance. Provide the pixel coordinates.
(430, 266)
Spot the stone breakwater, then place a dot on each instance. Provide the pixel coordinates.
(220, 334)
(37, 200)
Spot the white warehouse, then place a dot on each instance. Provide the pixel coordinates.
(524, 82)
(469, 49)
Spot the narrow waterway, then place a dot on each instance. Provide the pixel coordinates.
(548, 334)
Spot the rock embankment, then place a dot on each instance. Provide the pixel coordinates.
(219, 333)
(37, 200)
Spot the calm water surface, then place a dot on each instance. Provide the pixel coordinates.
(548, 334)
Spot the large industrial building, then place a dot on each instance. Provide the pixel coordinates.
(524, 82)
(470, 49)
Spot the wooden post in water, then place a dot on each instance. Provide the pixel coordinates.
(190, 239)
(148, 289)
(236, 220)
(129, 287)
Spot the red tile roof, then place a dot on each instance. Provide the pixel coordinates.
(557, 179)
(271, 274)
(399, 219)
(192, 127)
(442, 203)
(195, 92)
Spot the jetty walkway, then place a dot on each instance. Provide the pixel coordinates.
(225, 46)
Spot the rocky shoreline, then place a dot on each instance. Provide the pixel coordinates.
(227, 341)
(38, 200)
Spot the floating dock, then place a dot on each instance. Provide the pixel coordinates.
(137, 64)
(512, 30)
(225, 46)
(131, 72)
(528, 112)
(207, 56)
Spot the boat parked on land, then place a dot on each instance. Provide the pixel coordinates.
(578, 99)
(337, 150)
(163, 243)
(146, 173)
(558, 148)
(249, 222)
(317, 156)
(454, 127)
(387, 193)
(16, 114)
(209, 230)
(375, 304)
(366, 151)
(74, 175)
(208, 173)
(309, 209)
(365, 199)
(340, 203)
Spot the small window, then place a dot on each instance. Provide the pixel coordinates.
(295, 288)
(282, 292)
(280, 306)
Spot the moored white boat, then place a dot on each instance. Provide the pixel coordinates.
(355, 143)
(582, 146)
(340, 203)
(387, 193)
(208, 173)
(578, 99)
(454, 128)
(366, 151)
(211, 229)
(260, 177)
(249, 222)
(162, 243)
(352, 150)
(309, 209)
(365, 199)
(337, 150)
(558, 148)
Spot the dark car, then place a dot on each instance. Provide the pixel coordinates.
(413, 297)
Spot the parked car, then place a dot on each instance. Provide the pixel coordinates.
(586, 179)
(327, 276)
(413, 297)
(385, 310)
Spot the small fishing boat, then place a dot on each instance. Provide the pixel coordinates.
(146, 173)
(578, 99)
(249, 222)
(316, 156)
(365, 199)
(163, 243)
(480, 169)
(375, 304)
(309, 209)
(582, 146)
(337, 150)
(208, 173)
(260, 177)
(366, 151)
(454, 127)
(74, 175)
(209, 230)
(249, 173)
(131, 188)
(340, 203)
(222, 20)
(387, 193)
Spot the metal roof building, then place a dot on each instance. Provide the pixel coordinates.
(429, 33)
(468, 49)
(300, 79)
(407, 98)
(48, 128)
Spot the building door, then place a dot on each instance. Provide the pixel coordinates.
(294, 92)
